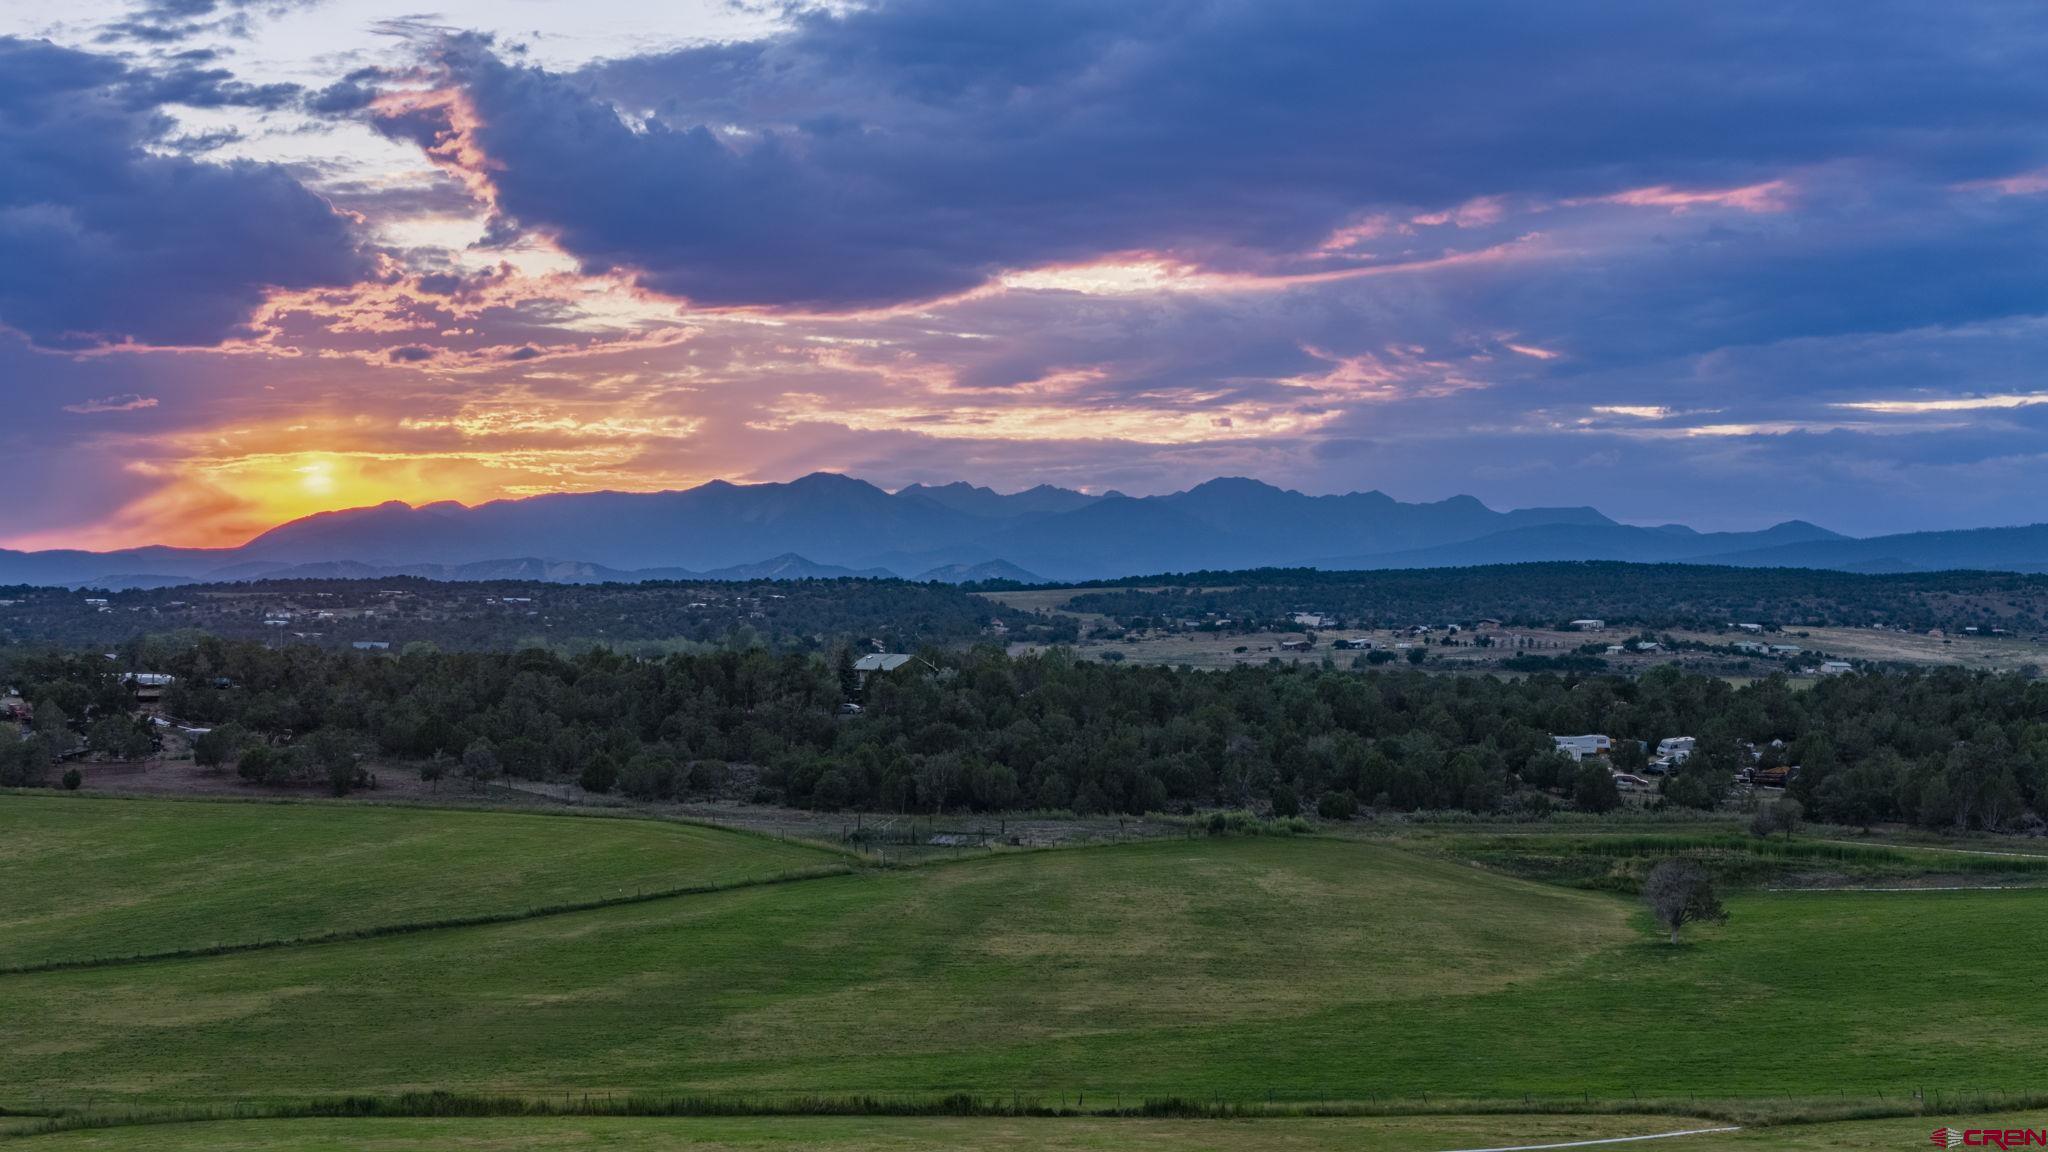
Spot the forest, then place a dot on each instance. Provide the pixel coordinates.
(977, 729)
(652, 617)
(1549, 594)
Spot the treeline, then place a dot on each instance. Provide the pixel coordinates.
(978, 729)
(794, 615)
(1546, 595)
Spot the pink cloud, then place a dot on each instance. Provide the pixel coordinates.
(1769, 196)
(1475, 213)
(2031, 183)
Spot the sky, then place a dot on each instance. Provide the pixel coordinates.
(1722, 264)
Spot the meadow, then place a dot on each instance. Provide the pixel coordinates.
(1399, 973)
(87, 879)
(1237, 968)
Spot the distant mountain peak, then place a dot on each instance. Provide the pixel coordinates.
(827, 524)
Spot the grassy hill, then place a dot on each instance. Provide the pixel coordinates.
(87, 879)
(1397, 975)
(1304, 968)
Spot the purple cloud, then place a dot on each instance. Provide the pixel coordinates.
(104, 240)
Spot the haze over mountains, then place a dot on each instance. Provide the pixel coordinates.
(830, 525)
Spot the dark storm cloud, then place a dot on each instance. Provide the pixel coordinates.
(903, 151)
(103, 239)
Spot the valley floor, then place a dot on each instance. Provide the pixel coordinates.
(215, 955)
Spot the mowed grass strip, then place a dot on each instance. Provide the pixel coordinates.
(870, 1134)
(944, 1134)
(88, 879)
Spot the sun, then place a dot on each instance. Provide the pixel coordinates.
(317, 477)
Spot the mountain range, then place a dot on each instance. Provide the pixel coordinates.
(829, 525)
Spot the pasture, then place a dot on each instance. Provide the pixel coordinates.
(1261, 971)
(88, 879)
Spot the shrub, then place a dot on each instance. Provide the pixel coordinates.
(1285, 802)
(259, 765)
(72, 779)
(598, 775)
(479, 763)
(1337, 806)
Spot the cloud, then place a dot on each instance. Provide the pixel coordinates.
(160, 22)
(106, 237)
(125, 402)
(873, 155)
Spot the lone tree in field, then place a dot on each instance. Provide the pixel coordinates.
(1777, 816)
(1680, 892)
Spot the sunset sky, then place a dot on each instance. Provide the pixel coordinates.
(1723, 263)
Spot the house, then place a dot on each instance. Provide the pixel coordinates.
(1751, 627)
(1296, 645)
(1752, 647)
(1615, 649)
(1835, 667)
(370, 645)
(875, 662)
(1347, 645)
(1308, 619)
(1486, 624)
(1588, 624)
(1648, 646)
(1786, 650)
(1580, 747)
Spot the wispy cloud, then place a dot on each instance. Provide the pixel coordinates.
(1949, 404)
(125, 402)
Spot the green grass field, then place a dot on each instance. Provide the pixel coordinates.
(1386, 971)
(86, 878)
(1300, 968)
(897, 1134)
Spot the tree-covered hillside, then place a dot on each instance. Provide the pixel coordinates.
(1544, 595)
(980, 729)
